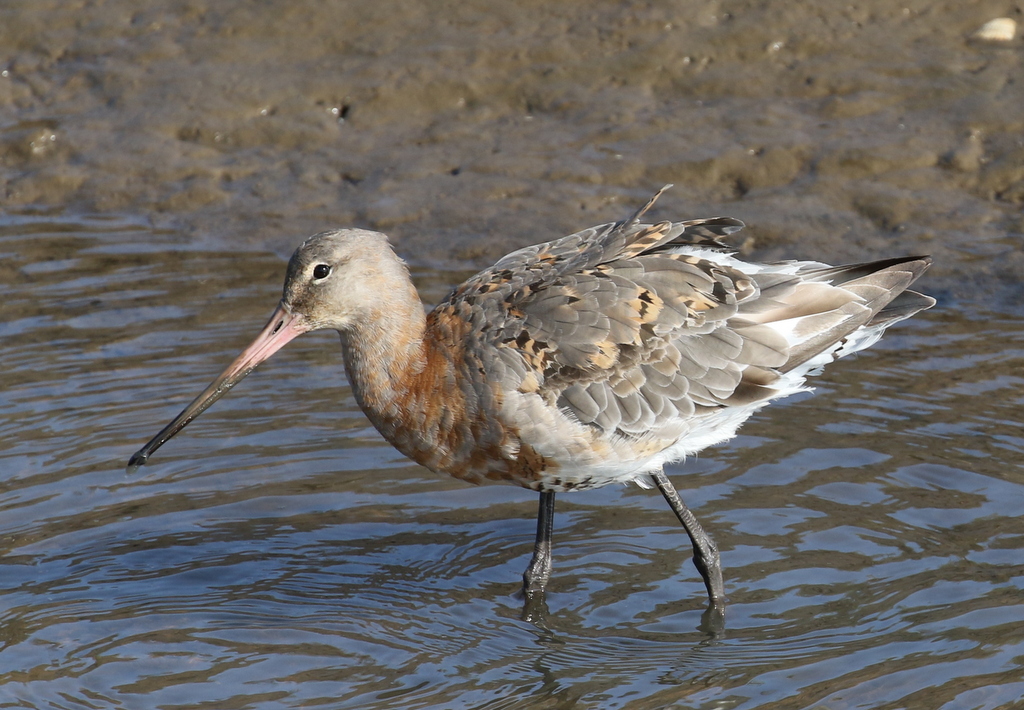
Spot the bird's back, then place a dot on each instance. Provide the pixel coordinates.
(601, 356)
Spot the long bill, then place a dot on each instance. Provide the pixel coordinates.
(283, 327)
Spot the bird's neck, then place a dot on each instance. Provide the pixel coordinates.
(398, 371)
(384, 348)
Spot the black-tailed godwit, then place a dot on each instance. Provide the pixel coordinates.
(592, 359)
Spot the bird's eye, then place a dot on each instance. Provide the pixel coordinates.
(321, 271)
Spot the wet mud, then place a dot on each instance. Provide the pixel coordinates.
(835, 130)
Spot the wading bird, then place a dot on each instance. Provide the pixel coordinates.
(592, 359)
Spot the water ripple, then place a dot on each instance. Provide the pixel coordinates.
(279, 554)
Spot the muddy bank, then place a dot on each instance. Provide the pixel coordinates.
(836, 131)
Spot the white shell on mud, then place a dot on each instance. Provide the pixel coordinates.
(1001, 29)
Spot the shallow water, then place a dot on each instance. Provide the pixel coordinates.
(279, 554)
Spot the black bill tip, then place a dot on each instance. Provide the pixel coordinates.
(139, 458)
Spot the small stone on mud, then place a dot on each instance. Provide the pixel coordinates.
(1001, 29)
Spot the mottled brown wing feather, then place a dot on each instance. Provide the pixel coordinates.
(613, 326)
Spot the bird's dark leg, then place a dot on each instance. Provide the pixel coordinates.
(535, 578)
(705, 551)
